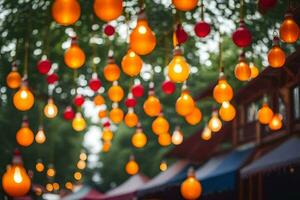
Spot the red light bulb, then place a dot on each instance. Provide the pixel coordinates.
(242, 37)
(202, 29)
(52, 78)
(78, 100)
(44, 66)
(168, 87)
(69, 113)
(138, 90)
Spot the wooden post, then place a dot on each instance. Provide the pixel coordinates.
(260, 187)
(250, 188)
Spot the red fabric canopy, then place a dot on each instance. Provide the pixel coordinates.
(92, 195)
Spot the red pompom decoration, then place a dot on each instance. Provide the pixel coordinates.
(202, 29)
(44, 66)
(109, 30)
(95, 84)
(69, 113)
(168, 87)
(130, 103)
(52, 78)
(242, 37)
(138, 91)
(106, 124)
(181, 35)
(78, 100)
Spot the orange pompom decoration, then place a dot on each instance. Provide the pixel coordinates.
(289, 29)
(191, 188)
(227, 111)
(164, 139)
(222, 91)
(131, 119)
(194, 117)
(13, 79)
(74, 56)
(276, 122)
(116, 115)
(160, 125)
(132, 167)
(242, 70)
(139, 139)
(111, 71)
(115, 92)
(66, 12)
(265, 114)
(25, 136)
(99, 100)
(142, 39)
(276, 56)
(132, 63)
(185, 104)
(152, 106)
(108, 10)
(185, 5)
(23, 100)
(178, 69)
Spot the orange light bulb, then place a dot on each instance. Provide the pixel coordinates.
(142, 39)
(106, 147)
(289, 29)
(160, 125)
(77, 176)
(102, 114)
(49, 187)
(185, 104)
(115, 92)
(25, 136)
(185, 5)
(66, 12)
(254, 71)
(132, 167)
(50, 110)
(81, 164)
(78, 122)
(206, 134)
(132, 63)
(276, 56)
(139, 139)
(40, 137)
(131, 119)
(116, 115)
(242, 70)
(164, 139)
(178, 69)
(215, 123)
(222, 91)
(23, 99)
(107, 135)
(82, 156)
(13, 79)
(51, 171)
(191, 188)
(194, 117)
(163, 166)
(39, 166)
(265, 114)
(152, 106)
(276, 122)
(177, 137)
(108, 10)
(99, 100)
(74, 56)
(69, 186)
(227, 111)
(111, 71)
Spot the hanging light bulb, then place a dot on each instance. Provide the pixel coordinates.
(23, 100)
(106, 147)
(164, 139)
(69, 186)
(95, 83)
(160, 125)
(194, 117)
(138, 90)
(215, 123)
(15, 181)
(227, 111)
(178, 69)
(107, 135)
(132, 167)
(242, 37)
(44, 66)
(116, 114)
(185, 104)
(142, 39)
(139, 139)
(131, 119)
(222, 91)
(177, 137)
(66, 12)
(69, 113)
(40, 137)
(102, 114)
(254, 71)
(79, 100)
(132, 63)
(276, 122)
(55, 186)
(39, 166)
(81, 164)
(13, 79)
(185, 5)
(152, 106)
(74, 56)
(111, 71)
(108, 10)
(276, 56)
(77, 176)
(51, 171)
(191, 188)
(242, 70)
(99, 100)
(83, 156)
(289, 29)
(78, 122)
(163, 166)
(168, 87)
(206, 134)
(50, 110)
(49, 187)
(25, 136)
(115, 92)
(265, 114)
